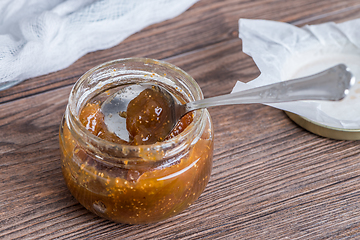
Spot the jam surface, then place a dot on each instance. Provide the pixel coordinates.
(147, 120)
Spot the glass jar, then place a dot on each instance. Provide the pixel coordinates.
(135, 184)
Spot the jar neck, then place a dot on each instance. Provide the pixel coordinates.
(128, 155)
(120, 154)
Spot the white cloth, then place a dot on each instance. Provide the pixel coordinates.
(41, 36)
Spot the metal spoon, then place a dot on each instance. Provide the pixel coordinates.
(332, 84)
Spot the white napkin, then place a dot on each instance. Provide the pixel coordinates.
(41, 36)
(283, 51)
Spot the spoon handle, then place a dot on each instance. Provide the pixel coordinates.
(332, 84)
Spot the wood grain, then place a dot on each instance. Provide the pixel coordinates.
(270, 180)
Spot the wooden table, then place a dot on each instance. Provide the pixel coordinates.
(271, 179)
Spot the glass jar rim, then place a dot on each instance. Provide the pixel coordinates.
(186, 134)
